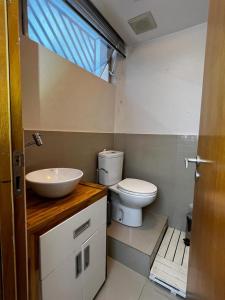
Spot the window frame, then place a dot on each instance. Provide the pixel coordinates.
(72, 5)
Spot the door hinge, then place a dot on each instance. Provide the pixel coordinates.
(18, 165)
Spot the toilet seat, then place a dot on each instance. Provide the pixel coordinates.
(137, 187)
(136, 194)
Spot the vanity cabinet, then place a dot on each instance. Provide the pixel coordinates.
(73, 256)
(81, 274)
(67, 245)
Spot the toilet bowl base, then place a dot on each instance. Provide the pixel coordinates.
(126, 215)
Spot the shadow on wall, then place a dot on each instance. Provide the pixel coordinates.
(160, 160)
(30, 84)
(58, 95)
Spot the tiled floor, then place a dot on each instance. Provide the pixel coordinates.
(125, 284)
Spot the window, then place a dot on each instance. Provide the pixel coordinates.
(57, 26)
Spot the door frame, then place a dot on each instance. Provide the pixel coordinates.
(13, 238)
(7, 234)
(17, 136)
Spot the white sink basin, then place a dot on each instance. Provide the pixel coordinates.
(54, 183)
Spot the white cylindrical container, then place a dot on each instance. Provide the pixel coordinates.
(110, 167)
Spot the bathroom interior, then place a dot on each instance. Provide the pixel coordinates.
(127, 116)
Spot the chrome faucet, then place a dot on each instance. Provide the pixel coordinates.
(36, 140)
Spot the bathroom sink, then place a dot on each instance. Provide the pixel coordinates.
(54, 183)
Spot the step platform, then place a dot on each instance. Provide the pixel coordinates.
(137, 247)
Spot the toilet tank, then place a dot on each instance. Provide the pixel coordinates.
(110, 167)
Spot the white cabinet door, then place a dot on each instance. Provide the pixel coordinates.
(65, 282)
(94, 263)
(69, 274)
(57, 243)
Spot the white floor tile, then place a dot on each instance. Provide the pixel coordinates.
(122, 283)
(152, 291)
(125, 284)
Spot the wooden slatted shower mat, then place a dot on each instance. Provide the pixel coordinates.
(171, 263)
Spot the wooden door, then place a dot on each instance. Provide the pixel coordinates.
(12, 199)
(206, 278)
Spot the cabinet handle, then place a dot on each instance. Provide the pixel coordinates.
(81, 229)
(78, 264)
(86, 257)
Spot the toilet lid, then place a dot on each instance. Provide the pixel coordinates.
(137, 186)
(110, 154)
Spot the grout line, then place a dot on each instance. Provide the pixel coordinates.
(142, 289)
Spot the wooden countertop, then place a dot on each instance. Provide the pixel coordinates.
(43, 214)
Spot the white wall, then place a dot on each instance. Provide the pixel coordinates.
(60, 96)
(158, 89)
(159, 85)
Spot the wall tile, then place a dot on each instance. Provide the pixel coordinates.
(155, 158)
(160, 160)
(68, 149)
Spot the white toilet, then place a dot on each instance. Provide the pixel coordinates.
(128, 196)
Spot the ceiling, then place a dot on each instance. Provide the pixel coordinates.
(170, 16)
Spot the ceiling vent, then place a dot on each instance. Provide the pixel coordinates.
(143, 23)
